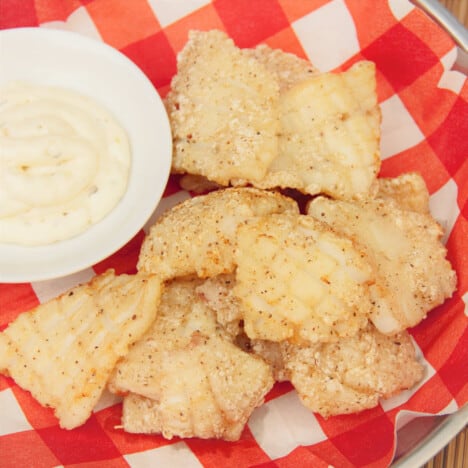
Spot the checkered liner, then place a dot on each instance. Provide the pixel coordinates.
(425, 128)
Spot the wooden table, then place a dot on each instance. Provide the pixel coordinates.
(455, 454)
(459, 9)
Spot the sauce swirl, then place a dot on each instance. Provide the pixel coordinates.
(64, 163)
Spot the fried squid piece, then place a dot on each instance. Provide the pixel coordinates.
(412, 272)
(353, 373)
(218, 294)
(344, 376)
(64, 351)
(288, 69)
(330, 135)
(194, 381)
(198, 236)
(298, 280)
(408, 191)
(223, 108)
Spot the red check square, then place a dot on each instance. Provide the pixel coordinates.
(437, 329)
(428, 31)
(121, 22)
(341, 424)
(424, 400)
(55, 10)
(420, 158)
(219, 453)
(85, 443)
(401, 56)
(17, 13)
(250, 23)
(365, 436)
(203, 19)
(15, 298)
(454, 372)
(382, 20)
(287, 41)
(23, 449)
(37, 415)
(327, 451)
(450, 140)
(459, 256)
(302, 456)
(155, 56)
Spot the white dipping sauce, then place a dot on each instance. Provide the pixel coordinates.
(64, 163)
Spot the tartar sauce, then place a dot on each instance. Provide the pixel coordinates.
(64, 163)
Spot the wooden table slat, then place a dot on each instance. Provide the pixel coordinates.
(454, 455)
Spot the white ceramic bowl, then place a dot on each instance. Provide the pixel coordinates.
(70, 60)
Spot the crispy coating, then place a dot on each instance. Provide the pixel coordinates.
(218, 294)
(267, 118)
(408, 191)
(288, 69)
(412, 272)
(223, 108)
(330, 135)
(198, 236)
(345, 376)
(64, 351)
(354, 373)
(200, 384)
(297, 280)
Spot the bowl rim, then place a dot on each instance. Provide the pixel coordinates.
(20, 264)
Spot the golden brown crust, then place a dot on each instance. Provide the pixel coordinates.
(198, 236)
(408, 191)
(412, 273)
(64, 351)
(354, 373)
(330, 135)
(223, 111)
(298, 281)
(200, 383)
(288, 69)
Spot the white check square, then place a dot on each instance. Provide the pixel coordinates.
(12, 419)
(173, 455)
(283, 424)
(328, 35)
(169, 11)
(399, 130)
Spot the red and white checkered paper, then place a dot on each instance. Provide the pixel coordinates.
(424, 128)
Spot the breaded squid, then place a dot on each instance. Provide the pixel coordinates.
(198, 236)
(269, 119)
(223, 109)
(299, 281)
(199, 383)
(412, 273)
(64, 351)
(345, 376)
(353, 373)
(330, 136)
(288, 69)
(408, 191)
